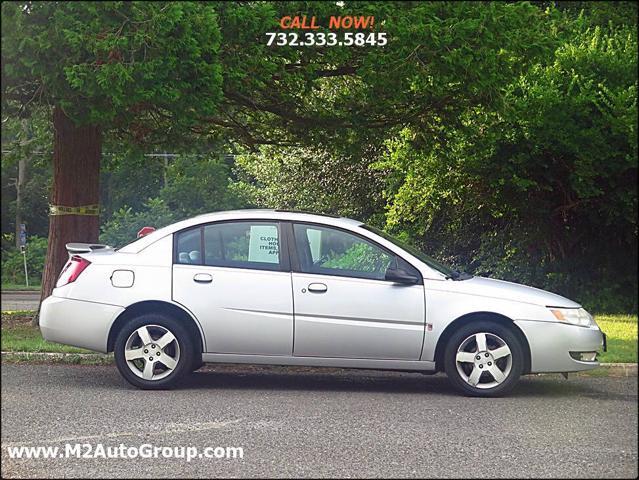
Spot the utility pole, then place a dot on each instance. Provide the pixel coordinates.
(22, 240)
(165, 156)
(22, 176)
(166, 166)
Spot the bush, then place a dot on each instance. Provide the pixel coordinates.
(123, 226)
(13, 263)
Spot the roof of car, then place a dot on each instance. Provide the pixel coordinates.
(275, 214)
(245, 214)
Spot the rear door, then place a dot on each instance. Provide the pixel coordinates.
(234, 277)
(344, 307)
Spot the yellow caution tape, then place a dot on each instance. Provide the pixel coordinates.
(92, 210)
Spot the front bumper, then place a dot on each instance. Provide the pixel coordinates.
(551, 343)
(77, 322)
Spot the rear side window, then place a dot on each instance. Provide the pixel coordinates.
(189, 247)
(232, 244)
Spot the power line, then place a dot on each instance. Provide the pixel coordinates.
(119, 153)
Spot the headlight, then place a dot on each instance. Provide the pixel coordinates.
(576, 316)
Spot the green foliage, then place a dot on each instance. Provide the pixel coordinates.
(113, 63)
(542, 191)
(13, 262)
(123, 226)
(360, 257)
(28, 139)
(500, 137)
(189, 184)
(198, 184)
(194, 185)
(525, 170)
(128, 179)
(309, 179)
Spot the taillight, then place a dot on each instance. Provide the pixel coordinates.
(72, 270)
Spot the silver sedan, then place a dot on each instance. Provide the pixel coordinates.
(292, 288)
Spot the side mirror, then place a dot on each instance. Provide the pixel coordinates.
(398, 275)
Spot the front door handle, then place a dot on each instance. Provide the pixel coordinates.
(202, 278)
(317, 288)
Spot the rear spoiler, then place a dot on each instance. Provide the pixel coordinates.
(74, 248)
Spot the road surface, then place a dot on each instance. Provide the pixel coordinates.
(15, 300)
(300, 422)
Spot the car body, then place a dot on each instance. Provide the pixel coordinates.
(293, 288)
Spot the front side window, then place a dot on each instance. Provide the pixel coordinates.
(335, 252)
(233, 244)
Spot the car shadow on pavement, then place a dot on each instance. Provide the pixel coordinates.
(277, 378)
(347, 381)
(273, 378)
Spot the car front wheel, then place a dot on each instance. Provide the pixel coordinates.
(484, 359)
(153, 351)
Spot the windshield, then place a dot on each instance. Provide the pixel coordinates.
(431, 262)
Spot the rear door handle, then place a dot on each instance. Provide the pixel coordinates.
(202, 278)
(317, 288)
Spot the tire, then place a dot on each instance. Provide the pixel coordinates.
(477, 373)
(197, 364)
(172, 355)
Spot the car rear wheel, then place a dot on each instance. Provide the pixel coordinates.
(484, 359)
(197, 364)
(153, 351)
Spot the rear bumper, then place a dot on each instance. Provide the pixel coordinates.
(551, 343)
(77, 323)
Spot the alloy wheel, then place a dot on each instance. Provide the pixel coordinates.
(484, 360)
(152, 352)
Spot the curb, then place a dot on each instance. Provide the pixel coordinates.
(21, 292)
(620, 369)
(612, 369)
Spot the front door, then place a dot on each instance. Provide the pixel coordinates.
(234, 278)
(344, 307)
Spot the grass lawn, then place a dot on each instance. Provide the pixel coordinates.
(621, 333)
(18, 335)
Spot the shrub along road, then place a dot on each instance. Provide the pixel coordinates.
(307, 422)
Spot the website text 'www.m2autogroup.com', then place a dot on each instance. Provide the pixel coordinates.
(123, 451)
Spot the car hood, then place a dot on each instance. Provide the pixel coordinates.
(488, 287)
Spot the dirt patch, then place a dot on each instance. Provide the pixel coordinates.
(11, 320)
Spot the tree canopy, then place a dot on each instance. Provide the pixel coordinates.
(117, 64)
(498, 136)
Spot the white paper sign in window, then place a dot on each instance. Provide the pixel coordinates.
(314, 242)
(263, 244)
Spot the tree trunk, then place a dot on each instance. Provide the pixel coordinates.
(76, 182)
